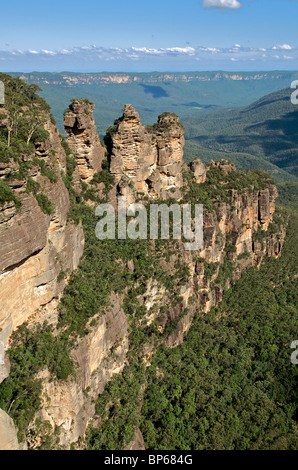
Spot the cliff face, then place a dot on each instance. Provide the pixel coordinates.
(70, 404)
(83, 139)
(147, 161)
(39, 246)
(36, 247)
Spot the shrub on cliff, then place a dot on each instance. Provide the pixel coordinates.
(7, 194)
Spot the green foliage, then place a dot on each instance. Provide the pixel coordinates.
(230, 247)
(105, 177)
(44, 203)
(74, 212)
(259, 236)
(26, 112)
(61, 276)
(32, 350)
(239, 180)
(119, 409)
(65, 146)
(288, 194)
(22, 128)
(231, 384)
(53, 120)
(226, 271)
(32, 186)
(263, 135)
(40, 135)
(81, 101)
(47, 171)
(99, 274)
(6, 153)
(210, 269)
(7, 194)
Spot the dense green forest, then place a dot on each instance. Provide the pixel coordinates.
(230, 385)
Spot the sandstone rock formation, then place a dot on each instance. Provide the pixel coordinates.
(83, 138)
(199, 170)
(144, 160)
(223, 165)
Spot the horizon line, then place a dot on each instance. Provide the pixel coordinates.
(153, 71)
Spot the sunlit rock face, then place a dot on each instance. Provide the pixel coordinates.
(151, 158)
(199, 170)
(83, 139)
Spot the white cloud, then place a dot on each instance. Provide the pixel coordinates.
(182, 50)
(282, 47)
(96, 56)
(213, 50)
(232, 4)
(45, 51)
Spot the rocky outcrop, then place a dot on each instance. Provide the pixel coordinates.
(144, 160)
(199, 170)
(223, 165)
(83, 138)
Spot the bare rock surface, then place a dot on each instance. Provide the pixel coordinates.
(150, 157)
(83, 138)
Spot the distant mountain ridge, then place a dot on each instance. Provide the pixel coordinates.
(243, 116)
(75, 78)
(185, 93)
(266, 130)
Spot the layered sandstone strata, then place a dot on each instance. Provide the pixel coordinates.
(83, 138)
(35, 247)
(147, 160)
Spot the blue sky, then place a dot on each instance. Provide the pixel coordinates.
(158, 35)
